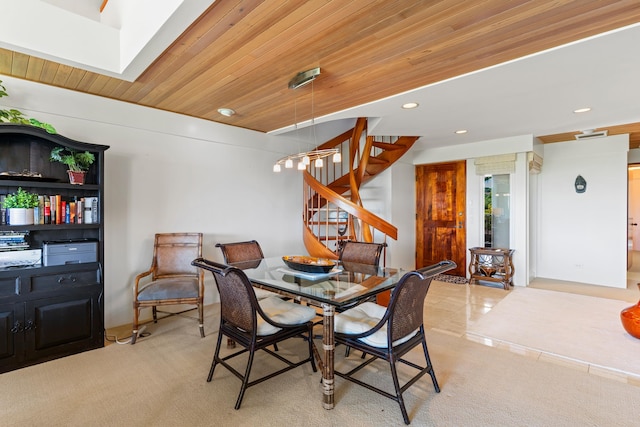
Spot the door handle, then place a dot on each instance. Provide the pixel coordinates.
(17, 327)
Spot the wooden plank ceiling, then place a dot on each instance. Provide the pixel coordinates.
(241, 54)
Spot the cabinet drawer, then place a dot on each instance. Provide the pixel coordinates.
(70, 279)
(9, 286)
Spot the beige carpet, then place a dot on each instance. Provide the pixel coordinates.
(537, 319)
(161, 381)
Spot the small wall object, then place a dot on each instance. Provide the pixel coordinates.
(581, 184)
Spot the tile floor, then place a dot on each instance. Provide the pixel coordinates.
(452, 308)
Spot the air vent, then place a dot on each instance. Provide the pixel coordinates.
(590, 135)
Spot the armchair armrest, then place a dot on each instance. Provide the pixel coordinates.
(136, 286)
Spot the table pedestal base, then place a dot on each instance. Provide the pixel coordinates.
(328, 346)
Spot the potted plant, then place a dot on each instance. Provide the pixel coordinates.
(77, 162)
(20, 207)
(15, 116)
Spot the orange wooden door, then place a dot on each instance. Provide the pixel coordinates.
(440, 215)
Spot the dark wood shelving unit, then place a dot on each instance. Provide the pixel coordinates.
(47, 312)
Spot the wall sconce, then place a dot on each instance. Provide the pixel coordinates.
(580, 184)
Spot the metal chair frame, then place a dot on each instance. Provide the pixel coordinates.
(238, 320)
(403, 316)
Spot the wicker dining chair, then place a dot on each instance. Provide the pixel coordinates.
(254, 324)
(171, 279)
(365, 253)
(246, 254)
(397, 329)
(361, 252)
(249, 250)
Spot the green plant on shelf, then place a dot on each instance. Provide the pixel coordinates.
(16, 116)
(76, 161)
(20, 199)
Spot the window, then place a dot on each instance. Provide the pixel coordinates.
(496, 211)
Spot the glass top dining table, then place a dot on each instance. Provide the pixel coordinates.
(345, 285)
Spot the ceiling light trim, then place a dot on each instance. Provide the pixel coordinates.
(303, 78)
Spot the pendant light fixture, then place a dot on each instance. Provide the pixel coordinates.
(305, 158)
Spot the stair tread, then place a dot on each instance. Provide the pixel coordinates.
(388, 145)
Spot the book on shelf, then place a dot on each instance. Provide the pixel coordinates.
(3, 211)
(53, 208)
(40, 218)
(59, 209)
(47, 210)
(72, 212)
(79, 211)
(91, 210)
(56, 209)
(13, 240)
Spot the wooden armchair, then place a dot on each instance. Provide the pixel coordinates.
(171, 279)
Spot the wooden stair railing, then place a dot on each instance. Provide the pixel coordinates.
(318, 217)
(333, 208)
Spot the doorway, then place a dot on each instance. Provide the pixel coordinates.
(441, 215)
(633, 233)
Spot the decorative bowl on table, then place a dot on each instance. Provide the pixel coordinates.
(309, 264)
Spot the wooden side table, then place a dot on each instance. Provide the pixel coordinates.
(491, 265)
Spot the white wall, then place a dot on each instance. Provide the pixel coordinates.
(170, 173)
(402, 252)
(583, 237)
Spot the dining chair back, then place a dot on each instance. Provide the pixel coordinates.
(171, 279)
(361, 252)
(255, 325)
(397, 329)
(241, 251)
(244, 255)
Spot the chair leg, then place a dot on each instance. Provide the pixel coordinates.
(216, 355)
(396, 384)
(348, 350)
(311, 356)
(134, 332)
(201, 319)
(154, 311)
(245, 380)
(432, 372)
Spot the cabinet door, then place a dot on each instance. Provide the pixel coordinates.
(63, 325)
(11, 335)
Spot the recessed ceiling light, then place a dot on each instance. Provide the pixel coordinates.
(461, 131)
(410, 105)
(582, 110)
(228, 112)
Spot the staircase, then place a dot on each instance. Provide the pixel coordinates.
(333, 209)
